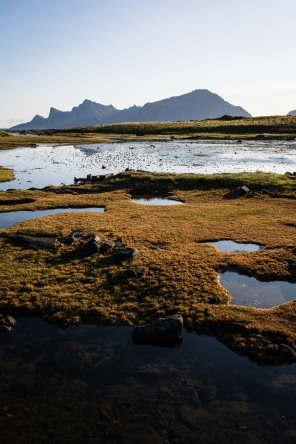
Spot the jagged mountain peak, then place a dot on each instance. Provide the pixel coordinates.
(199, 104)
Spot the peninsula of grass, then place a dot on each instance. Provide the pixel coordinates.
(176, 271)
(5, 174)
(264, 128)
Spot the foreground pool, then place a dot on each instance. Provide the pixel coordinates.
(91, 384)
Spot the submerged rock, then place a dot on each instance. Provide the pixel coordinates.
(6, 323)
(166, 331)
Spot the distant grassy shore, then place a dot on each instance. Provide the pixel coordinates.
(175, 270)
(273, 127)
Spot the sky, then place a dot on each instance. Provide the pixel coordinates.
(124, 52)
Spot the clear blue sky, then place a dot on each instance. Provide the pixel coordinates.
(124, 52)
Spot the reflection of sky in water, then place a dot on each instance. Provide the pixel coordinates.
(48, 165)
(250, 292)
(12, 217)
(228, 246)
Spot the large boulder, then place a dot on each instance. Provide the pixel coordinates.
(166, 331)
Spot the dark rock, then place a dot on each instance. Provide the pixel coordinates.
(166, 331)
(242, 190)
(215, 300)
(97, 245)
(6, 323)
(34, 242)
(5, 328)
(124, 253)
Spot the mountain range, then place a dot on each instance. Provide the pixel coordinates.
(197, 105)
(292, 113)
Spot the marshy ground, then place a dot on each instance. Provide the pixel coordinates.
(175, 270)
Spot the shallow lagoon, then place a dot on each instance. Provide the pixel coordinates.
(54, 165)
(92, 384)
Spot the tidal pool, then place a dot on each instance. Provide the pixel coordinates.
(250, 292)
(54, 165)
(12, 217)
(92, 384)
(229, 246)
(156, 201)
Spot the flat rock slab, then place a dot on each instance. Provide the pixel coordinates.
(165, 332)
(34, 242)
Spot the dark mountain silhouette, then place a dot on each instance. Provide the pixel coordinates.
(198, 105)
(292, 113)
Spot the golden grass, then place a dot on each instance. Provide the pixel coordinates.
(5, 174)
(177, 271)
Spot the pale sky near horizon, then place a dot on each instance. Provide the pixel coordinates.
(60, 52)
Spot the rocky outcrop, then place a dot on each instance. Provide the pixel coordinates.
(166, 331)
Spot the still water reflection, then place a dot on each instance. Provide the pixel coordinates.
(156, 201)
(228, 246)
(250, 292)
(12, 217)
(91, 384)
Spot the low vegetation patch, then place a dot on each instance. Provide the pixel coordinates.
(5, 174)
(174, 271)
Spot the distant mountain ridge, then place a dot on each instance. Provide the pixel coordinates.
(292, 113)
(197, 105)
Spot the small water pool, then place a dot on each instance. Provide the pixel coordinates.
(250, 292)
(156, 201)
(12, 217)
(229, 246)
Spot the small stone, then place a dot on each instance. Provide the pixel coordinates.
(126, 253)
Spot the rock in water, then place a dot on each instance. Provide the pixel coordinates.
(166, 331)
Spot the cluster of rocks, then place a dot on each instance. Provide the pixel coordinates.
(93, 179)
(6, 323)
(85, 245)
(102, 246)
(288, 173)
